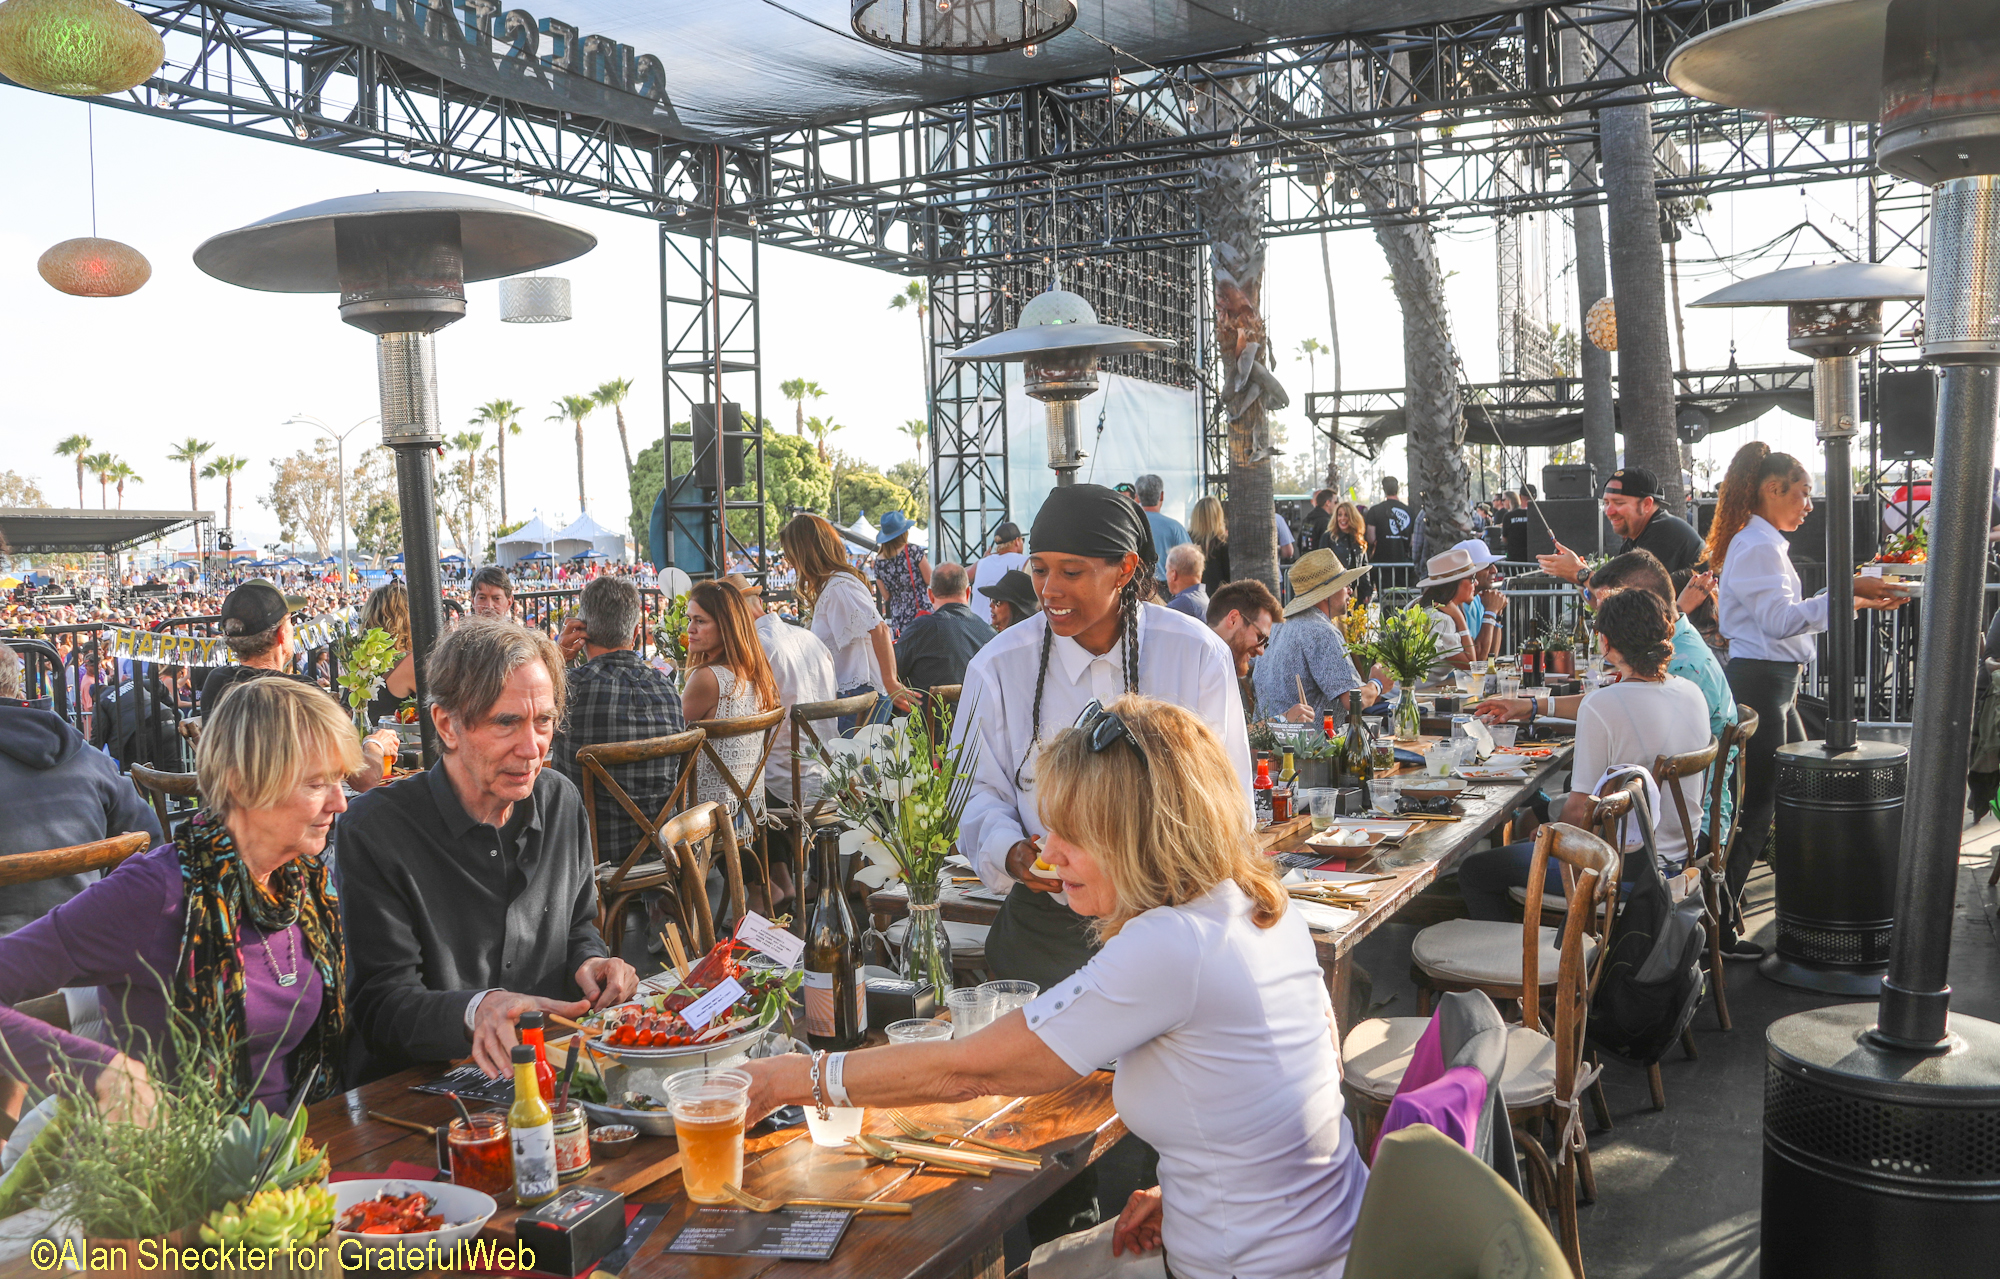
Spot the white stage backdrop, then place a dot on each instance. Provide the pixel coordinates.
(1148, 428)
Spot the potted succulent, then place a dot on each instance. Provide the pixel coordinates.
(1316, 759)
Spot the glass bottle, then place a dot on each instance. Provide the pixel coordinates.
(836, 999)
(533, 1131)
(534, 1029)
(1357, 756)
(1260, 791)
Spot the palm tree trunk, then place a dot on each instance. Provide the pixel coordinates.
(1230, 196)
(503, 476)
(194, 499)
(1600, 417)
(1646, 408)
(800, 419)
(623, 443)
(579, 468)
(1332, 478)
(229, 500)
(79, 481)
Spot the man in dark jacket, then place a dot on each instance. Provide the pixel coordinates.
(935, 648)
(56, 791)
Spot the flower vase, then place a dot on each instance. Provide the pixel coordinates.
(1409, 717)
(927, 948)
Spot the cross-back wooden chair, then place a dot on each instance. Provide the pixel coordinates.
(58, 863)
(162, 789)
(801, 818)
(936, 698)
(634, 872)
(749, 796)
(1546, 1076)
(1725, 780)
(697, 840)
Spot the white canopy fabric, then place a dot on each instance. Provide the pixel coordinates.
(525, 540)
(586, 534)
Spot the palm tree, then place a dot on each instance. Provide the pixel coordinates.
(798, 391)
(612, 395)
(919, 432)
(190, 450)
(915, 297)
(468, 442)
(100, 464)
(819, 429)
(1600, 415)
(225, 468)
(504, 416)
(121, 471)
(76, 446)
(575, 408)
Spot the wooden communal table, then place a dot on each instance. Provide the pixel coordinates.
(1417, 862)
(955, 1232)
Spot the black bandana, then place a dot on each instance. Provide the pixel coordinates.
(1089, 519)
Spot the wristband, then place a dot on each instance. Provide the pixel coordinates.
(835, 1089)
(818, 1096)
(1490, 621)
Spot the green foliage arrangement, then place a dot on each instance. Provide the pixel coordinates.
(364, 665)
(1404, 644)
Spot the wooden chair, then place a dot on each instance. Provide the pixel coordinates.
(749, 796)
(1729, 781)
(1546, 1076)
(619, 883)
(162, 789)
(798, 817)
(77, 859)
(698, 839)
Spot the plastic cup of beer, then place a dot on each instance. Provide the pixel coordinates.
(913, 1030)
(708, 1106)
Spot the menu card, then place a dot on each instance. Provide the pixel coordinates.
(797, 1234)
(471, 1084)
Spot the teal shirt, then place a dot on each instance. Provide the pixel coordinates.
(1695, 662)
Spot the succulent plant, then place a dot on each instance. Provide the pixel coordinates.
(246, 1143)
(273, 1219)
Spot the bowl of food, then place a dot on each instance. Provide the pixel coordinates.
(381, 1214)
(610, 1141)
(1428, 788)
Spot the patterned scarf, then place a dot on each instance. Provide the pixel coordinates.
(208, 976)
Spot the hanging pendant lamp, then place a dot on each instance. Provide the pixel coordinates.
(535, 299)
(962, 28)
(88, 267)
(1600, 325)
(79, 48)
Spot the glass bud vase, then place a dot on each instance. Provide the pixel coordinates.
(1409, 719)
(927, 948)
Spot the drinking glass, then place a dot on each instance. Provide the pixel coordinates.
(1006, 996)
(1439, 760)
(1510, 685)
(481, 1158)
(840, 1124)
(1468, 683)
(708, 1106)
(1503, 735)
(970, 1009)
(916, 1029)
(1325, 807)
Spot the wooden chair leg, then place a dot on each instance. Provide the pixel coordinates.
(1541, 1176)
(1568, 1232)
(1598, 1103)
(1718, 976)
(1687, 1045)
(1586, 1175)
(1658, 1086)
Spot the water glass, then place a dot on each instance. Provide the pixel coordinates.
(970, 1009)
(1510, 686)
(1441, 759)
(1325, 807)
(1503, 735)
(917, 1029)
(1006, 996)
(708, 1105)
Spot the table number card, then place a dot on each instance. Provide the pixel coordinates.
(703, 1011)
(757, 931)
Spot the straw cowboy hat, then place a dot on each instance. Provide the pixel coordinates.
(1317, 575)
(1449, 567)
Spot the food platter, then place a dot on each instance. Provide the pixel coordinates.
(465, 1212)
(1428, 788)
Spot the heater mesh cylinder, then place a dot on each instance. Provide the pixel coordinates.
(1962, 309)
(406, 369)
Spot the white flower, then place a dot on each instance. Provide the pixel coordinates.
(881, 868)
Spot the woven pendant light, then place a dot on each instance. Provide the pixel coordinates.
(962, 28)
(88, 267)
(1600, 325)
(535, 299)
(80, 48)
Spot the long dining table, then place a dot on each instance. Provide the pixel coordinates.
(1414, 863)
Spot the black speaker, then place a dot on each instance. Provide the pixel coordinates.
(704, 444)
(1907, 417)
(1809, 542)
(1577, 479)
(1575, 521)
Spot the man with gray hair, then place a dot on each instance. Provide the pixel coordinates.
(469, 892)
(615, 696)
(1168, 532)
(1185, 593)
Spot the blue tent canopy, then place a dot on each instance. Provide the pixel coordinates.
(452, 559)
(397, 558)
(291, 561)
(592, 554)
(538, 555)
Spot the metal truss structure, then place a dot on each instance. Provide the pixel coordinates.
(984, 196)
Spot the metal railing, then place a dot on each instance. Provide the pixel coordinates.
(548, 611)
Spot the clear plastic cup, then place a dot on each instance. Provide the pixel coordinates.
(1510, 686)
(708, 1105)
(1504, 735)
(917, 1029)
(1006, 996)
(834, 1131)
(1325, 807)
(970, 1010)
(1439, 760)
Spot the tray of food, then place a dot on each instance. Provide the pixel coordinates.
(384, 1213)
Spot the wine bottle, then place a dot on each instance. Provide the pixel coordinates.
(533, 1131)
(534, 1028)
(1357, 754)
(836, 999)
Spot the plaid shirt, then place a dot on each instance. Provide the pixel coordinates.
(617, 697)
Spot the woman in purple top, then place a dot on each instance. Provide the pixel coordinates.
(232, 930)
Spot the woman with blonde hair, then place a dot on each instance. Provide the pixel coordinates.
(388, 610)
(843, 614)
(728, 678)
(1206, 994)
(1770, 629)
(1209, 528)
(232, 931)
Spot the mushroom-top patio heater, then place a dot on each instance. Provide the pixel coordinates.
(1840, 801)
(1059, 342)
(400, 261)
(1882, 1122)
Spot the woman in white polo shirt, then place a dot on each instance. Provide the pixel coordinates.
(1206, 995)
(1769, 627)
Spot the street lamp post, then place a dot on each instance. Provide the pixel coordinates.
(339, 439)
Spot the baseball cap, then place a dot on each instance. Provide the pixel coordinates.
(1481, 553)
(1632, 481)
(1006, 532)
(256, 606)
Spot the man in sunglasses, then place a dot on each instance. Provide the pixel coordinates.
(1244, 614)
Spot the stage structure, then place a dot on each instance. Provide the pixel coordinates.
(956, 188)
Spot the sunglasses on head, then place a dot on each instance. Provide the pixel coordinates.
(1105, 727)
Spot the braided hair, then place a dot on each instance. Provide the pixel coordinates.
(1129, 598)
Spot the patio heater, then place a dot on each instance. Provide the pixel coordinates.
(1882, 1121)
(1058, 342)
(400, 261)
(1839, 816)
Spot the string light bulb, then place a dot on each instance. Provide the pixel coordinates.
(1030, 50)
(1236, 136)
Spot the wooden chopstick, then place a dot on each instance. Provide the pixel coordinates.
(678, 951)
(427, 1130)
(576, 1026)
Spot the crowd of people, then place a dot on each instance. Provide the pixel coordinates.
(1108, 675)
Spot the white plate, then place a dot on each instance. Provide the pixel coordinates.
(1392, 828)
(1321, 918)
(465, 1211)
(1492, 774)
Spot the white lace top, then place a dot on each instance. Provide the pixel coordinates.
(735, 698)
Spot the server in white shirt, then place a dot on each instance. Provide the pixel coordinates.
(1769, 627)
(1006, 557)
(1088, 553)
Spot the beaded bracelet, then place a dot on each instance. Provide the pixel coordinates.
(819, 1097)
